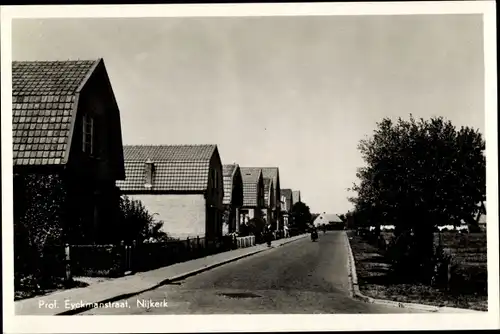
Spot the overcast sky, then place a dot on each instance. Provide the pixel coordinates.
(294, 92)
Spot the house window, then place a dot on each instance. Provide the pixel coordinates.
(88, 134)
(149, 174)
(244, 216)
(214, 178)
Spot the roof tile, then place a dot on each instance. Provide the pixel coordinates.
(37, 87)
(176, 168)
(251, 177)
(273, 174)
(228, 172)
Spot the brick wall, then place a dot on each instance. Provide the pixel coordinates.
(183, 215)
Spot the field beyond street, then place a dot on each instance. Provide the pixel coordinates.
(469, 255)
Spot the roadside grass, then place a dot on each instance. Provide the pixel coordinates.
(375, 279)
(31, 289)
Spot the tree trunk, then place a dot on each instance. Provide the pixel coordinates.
(424, 251)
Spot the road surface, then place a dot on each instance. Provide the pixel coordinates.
(301, 277)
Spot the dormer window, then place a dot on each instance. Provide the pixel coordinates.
(149, 171)
(88, 134)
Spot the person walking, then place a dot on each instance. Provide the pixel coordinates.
(268, 234)
(285, 229)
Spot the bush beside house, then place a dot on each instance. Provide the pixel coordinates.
(39, 234)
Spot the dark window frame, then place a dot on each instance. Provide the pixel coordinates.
(88, 134)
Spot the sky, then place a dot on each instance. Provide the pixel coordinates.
(294, 92)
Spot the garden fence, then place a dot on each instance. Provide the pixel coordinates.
(118, 260)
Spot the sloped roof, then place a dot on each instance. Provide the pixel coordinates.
(43, 103)
(169, 152)
(228, 172)
(270, 173)
(176, 167)
(287, 193)
(295, 196)
(250, 177)
(327, 218)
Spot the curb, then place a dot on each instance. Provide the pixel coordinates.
(356, 293)
(173, 279)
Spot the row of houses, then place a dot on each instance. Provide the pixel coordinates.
(66, 122)
(194, 193)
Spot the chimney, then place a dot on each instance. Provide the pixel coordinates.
(149, 170)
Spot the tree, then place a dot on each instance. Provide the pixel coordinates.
(39, 205)
(138, 224)
(342, 217)
(301, 216)
(420, 174)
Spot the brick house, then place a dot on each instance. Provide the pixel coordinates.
(267, 211)
(233, 195)
(286, 205)
(66, 125)
(181, 184)
(253, 194)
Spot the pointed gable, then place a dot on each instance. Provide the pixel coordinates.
(251, 178)
(295, 196)
(268, 190)
(44, 97)
(272, 173)
(230, 173)
(287, 194)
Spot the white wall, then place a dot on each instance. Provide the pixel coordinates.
(183, 215)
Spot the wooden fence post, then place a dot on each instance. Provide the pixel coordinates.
(123, 250)
(133, 255)
(198, 251)
(68, 277)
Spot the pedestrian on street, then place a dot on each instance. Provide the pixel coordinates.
(268, 234)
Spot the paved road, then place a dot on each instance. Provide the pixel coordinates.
(302, 277)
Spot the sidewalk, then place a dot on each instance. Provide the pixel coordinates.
(124, 287)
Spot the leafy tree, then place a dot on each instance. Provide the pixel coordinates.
(138, 224)
(39, 208)
(351, 223)
(39, 202)
(420, 174)
(301, 216)
(256, 225)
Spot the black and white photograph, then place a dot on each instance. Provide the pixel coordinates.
(250, 160)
